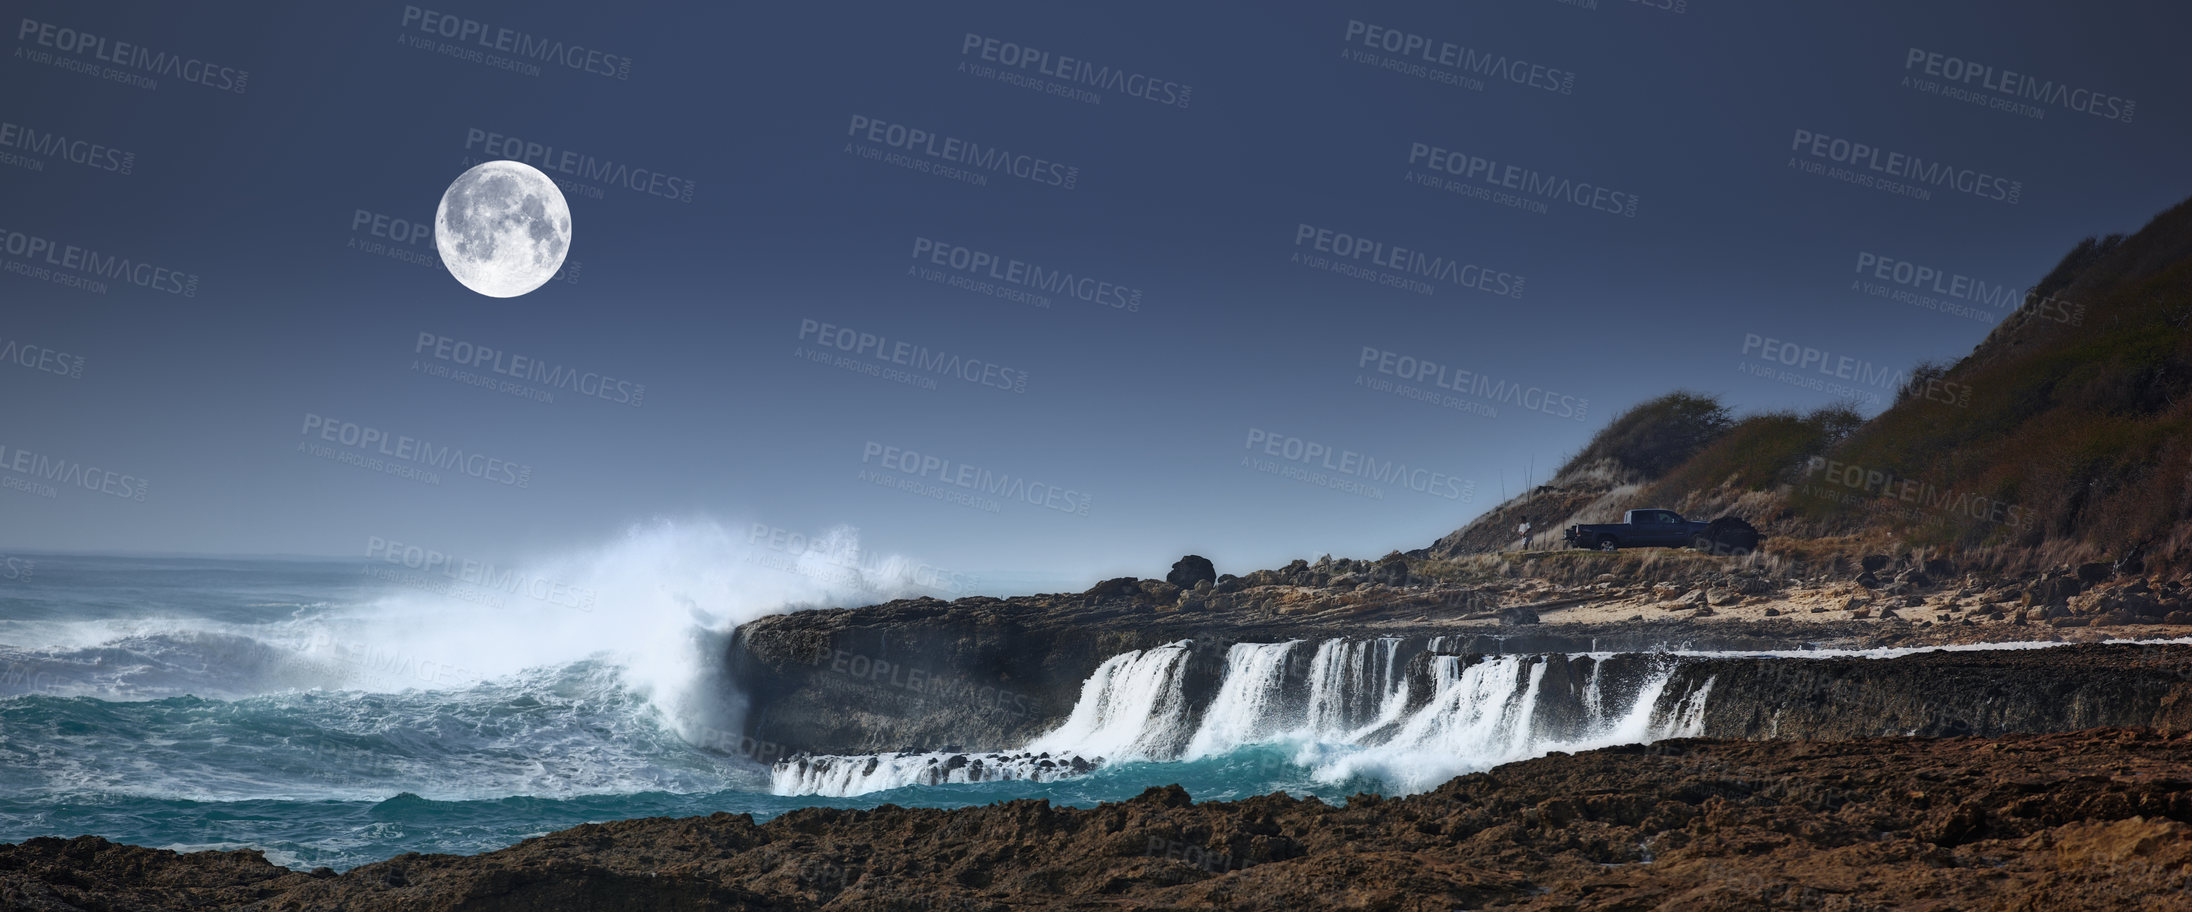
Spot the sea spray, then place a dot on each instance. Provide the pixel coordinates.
(662, 601)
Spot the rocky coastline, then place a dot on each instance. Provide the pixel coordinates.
(2035, 778)
(2100, 819)
(985, 674)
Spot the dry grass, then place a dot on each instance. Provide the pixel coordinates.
(2055, 442)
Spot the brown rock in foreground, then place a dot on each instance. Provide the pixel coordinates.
(2090, 820)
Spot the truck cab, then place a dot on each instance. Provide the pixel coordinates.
(1657, 528)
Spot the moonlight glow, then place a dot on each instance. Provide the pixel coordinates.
(503, 228)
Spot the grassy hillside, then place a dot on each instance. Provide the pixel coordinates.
(2061, 437)
(2063, 431)
(1643, 443)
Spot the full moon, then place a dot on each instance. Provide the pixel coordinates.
(502, 228)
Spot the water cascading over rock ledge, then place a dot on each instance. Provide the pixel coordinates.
(1391, 710)
(1405, 713)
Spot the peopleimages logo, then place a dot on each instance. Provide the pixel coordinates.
(1942, 290)
(839, 560)
(1459, 58)
(40, 358)
(983, 264)
(1528, 181)
(1356, 465)
(521, 44)
(86, 261)
(1347, 246)
(1878, 483)
(1947, 284)
(1076, 71)
(1825, 363)
(35, 468)
(911, 355)
(579, 166)
(403, 453)
(477, 573)
(967, 153)
(975, 478)
(2019, 85)
(532, 370)
(72, 149)
(1913, 168)
(127, 56)
(1440, 376)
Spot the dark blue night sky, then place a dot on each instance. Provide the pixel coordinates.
(1006, 286)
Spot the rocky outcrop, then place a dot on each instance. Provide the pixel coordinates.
(990, 675)
(980, 674)
(2093, 820)
(1942, 694)
(1192, 569)
(986, 673)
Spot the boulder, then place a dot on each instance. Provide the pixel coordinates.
(1121, 587)
(1873, 563)
(1867, 580)
(1161, 592)
(1391, 572)
(1192, 569)
(2051, 589)
(1517, 615)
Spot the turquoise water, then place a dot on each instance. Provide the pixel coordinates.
(328, 715)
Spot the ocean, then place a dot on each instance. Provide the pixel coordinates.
(334, 713)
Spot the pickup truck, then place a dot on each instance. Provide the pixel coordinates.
(1666, 529)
